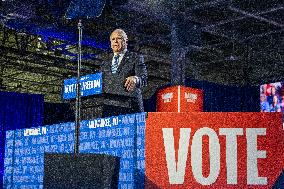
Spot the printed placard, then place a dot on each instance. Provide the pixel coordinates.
(214, 150)
(90, 84)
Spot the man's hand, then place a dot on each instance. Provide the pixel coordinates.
(130, 83)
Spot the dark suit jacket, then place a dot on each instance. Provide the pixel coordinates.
(131, 65)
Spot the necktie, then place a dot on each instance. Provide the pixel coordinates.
(114, 66)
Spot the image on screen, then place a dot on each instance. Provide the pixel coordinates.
(272, 97)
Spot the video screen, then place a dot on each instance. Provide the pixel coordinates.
(272, 97)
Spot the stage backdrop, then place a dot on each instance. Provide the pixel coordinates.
(218, 98)
(214, 150)
(223, 98)
(121, 136)
(183, 150)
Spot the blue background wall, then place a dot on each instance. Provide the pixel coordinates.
(18, 110)
(219, 98)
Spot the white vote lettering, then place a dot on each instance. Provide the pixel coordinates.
(231, 152)
(252, 155)
(176, 169)
(214, 156)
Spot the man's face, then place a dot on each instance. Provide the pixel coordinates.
(273, 90)
(275, 99)
(262, 97)
(118, 44)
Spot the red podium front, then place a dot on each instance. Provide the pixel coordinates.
(180, 99)
(213, 150)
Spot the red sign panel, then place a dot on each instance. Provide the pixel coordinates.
(167, 99)
(213, 150)
(191, 99)
(180, 99)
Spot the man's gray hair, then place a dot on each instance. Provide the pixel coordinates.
(122, 32)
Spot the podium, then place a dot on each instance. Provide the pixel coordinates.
(113, 100)
(88, 170)
(179, 99)
(64, 171)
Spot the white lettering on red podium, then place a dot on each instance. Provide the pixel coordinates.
(190, 97)
(176, 169)
(167, 97)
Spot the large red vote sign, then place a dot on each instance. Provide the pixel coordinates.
(213, 150)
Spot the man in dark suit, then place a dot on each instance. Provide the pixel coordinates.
(127, 67)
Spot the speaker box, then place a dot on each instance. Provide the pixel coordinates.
(80, 171)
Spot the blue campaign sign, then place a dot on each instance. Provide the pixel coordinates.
(122, 136)
(90, 85)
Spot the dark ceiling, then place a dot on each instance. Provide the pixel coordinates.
(233, 42)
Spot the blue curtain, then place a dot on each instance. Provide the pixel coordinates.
(219, 98)
(18, 110)
(222, 98)
(55, 113)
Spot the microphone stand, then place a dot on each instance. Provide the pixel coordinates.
(78, 93)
